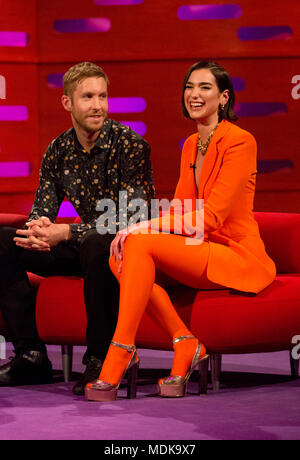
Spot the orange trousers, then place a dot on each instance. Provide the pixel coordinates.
(142, 256)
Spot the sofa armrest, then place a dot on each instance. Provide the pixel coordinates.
(12, 220)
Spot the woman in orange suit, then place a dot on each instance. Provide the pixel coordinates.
(218, 166)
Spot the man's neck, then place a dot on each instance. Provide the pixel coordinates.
(86, 139)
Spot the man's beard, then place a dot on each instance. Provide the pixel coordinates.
(88, 128)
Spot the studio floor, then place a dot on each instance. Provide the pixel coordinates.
(257, 400)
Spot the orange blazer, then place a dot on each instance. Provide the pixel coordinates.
(237, 256)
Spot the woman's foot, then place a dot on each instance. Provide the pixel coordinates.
(189, 352)
(120, 358)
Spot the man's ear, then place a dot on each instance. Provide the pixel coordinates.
(66, 102)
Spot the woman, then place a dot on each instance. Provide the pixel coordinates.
(218, 165)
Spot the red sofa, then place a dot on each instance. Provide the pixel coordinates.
(228, 322)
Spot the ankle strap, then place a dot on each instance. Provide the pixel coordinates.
(183, 337)
(129, 348)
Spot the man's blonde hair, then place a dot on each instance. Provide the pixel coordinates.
(79, 72)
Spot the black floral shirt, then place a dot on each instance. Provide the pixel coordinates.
(119, 162)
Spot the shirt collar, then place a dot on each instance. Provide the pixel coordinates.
(101, 141)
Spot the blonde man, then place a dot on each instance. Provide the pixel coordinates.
(94, 160)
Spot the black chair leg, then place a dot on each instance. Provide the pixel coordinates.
(67, 360)
(215, 365)
(294, 363)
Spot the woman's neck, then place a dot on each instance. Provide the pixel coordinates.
(205, 128)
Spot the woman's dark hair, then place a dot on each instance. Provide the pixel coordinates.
(223, 81)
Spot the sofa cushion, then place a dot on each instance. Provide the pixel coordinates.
(60, 310)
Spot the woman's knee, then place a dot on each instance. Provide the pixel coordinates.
(137, 243)
(114, 266)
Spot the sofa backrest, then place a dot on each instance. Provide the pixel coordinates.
(281, 234)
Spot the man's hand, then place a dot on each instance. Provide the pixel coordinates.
(41, 222)
(42, 234)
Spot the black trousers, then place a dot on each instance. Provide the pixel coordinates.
(88, 259)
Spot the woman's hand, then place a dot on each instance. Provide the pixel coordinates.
(117, 245)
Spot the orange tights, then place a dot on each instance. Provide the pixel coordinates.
(142, 255)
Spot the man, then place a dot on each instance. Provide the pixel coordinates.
(94, 160)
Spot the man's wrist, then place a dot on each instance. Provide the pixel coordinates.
(67, 232)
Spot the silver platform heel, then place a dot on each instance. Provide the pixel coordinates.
(98, 390)
(175, 386)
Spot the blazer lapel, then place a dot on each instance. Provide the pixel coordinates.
(213, 158)
(189, 173)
